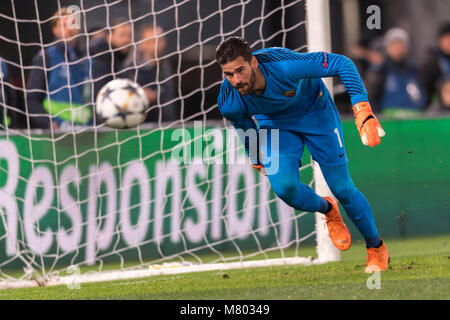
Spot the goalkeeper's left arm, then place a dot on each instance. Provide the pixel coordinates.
(323, 64)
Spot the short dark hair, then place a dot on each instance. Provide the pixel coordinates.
(444, 29)
(119, 21)
(232, 48)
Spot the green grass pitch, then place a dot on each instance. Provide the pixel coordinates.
(419, 269)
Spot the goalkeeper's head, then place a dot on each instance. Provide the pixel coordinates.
(238, 64)
(232, 48)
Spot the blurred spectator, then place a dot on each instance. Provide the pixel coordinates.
(109, 53)
(437, 63)
(442, 106)
(394, 85)
(5, 96)
(367, 53)
(97, 32)
(55, 86)
(152, 71)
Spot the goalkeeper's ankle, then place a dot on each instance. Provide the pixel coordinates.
(374, 242)
(325, 206)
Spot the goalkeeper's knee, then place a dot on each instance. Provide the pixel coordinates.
(287, 189)
(296, 194)
(345, 192)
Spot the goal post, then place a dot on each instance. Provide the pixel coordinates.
(319, 39)
(94, 204)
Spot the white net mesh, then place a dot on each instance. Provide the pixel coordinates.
(78, 194)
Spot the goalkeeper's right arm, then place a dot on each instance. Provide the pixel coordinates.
(244, 130)
(242, 123)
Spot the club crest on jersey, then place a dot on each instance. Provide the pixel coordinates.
(290, 93)
(325, 60)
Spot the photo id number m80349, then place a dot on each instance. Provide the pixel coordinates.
(246, 309)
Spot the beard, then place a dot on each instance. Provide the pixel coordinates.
(245, 88)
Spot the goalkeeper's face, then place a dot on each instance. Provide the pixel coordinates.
(241, 74)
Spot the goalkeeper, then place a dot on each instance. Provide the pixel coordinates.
(282, 90)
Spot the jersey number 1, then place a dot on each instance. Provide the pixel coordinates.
(339, 138)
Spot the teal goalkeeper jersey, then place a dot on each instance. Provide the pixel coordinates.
(293, 90)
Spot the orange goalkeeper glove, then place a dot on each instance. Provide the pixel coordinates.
(260, 168)
(367, 124)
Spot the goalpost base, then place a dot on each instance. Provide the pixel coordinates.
(155, 270)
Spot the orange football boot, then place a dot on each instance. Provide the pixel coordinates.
(339, 234)
(377, 259)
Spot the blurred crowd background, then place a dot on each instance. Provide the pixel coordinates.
(48, 65)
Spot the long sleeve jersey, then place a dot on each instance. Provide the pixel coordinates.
(293, 92)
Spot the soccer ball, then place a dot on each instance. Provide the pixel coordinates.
(121, 104)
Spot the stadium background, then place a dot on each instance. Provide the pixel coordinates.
(347, 19)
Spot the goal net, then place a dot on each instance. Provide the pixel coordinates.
(81, 202)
